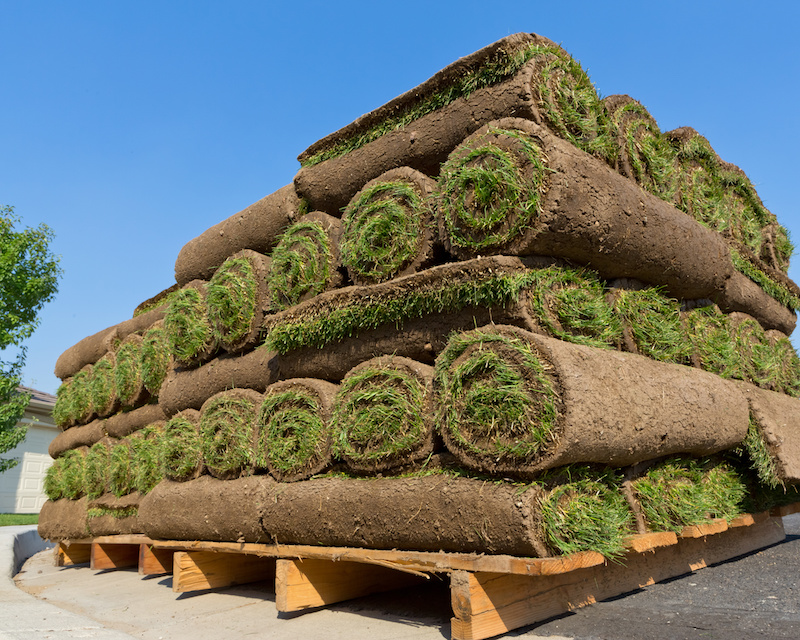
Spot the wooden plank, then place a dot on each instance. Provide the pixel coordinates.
(124, 538)
(648, 541)
(114, 556)
(302, 584)
(154, 561)
(488, 604)
(198, 570)
(68, 554)
(701, 530)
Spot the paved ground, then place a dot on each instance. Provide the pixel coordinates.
(757, 596)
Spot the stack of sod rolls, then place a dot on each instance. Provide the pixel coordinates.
(496, 315)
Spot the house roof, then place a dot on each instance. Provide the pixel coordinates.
(39, 399)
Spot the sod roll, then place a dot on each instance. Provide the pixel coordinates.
(513, 187)
(181, 450)
(742, 294)
(383, 415)
(128, 383)
(257, 227)
(156, 358)
(513, 402)
(84, 436)
(294, 428)
(127, 422)
(96, 468)
(94, 347)
(432, 513)
(236, 298)
(103, 394)
(227, 433)
(522, 75)
(776, 418)
(388, 227)
(189, 334)
(63, 519)
(305, 262)
(207, 509)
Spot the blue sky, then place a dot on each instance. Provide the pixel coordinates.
(131, 127)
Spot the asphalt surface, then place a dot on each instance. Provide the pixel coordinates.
(754, 596)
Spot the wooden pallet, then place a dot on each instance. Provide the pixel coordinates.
(490, 595)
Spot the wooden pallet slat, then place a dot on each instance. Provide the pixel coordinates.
(106, 555)
(199, 570)
(70, 553)
(154, 561)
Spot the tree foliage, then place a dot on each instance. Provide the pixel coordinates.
(29, 275)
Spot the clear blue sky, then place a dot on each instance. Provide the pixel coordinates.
(131, 127)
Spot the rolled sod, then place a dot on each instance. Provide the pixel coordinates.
(713, 346)
(109, 515)
(63, 519)
(383, 415)
(515, 188)
(207, 509)
(96, 468)
(181, 452)
(125, 423)
(122, 468)
(306, 260)
(645, 155)
(78, 397)
(102, 389)
(190, 388)
(92, 348)
(681, 492)
(388, 227)
(156, 358)
(236, 297)
(257, 228)
(62, 413)
(294, 428)
(83, 436)
(430, 513)
(516, 403)
(744, 295)
(189, 334)
(128, 383)
(147, 451)
(65, 478)
(776, 441)
(522, 75)
(227, 433)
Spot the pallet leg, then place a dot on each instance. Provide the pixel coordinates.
(67, 555)
(154, 561)
(303, 584)
(114, 556)
(198, 570)
(488, 604)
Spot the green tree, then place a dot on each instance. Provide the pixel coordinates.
(29, 275)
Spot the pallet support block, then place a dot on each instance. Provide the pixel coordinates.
(68, 554)
(307, 583)
(110, 555)
(488, 604)
(153, 561)
(198, 570)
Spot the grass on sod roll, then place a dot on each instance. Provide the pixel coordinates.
(338, 322)
(181, 452)
(379, 415)
(655, 322)
(79, 399)
(770, 286)
(488, 195)
(497, 400)
(588, 512)
(301, 264)
(231, 300)
(70, 475)
(146, 451)
(62, 411)
(566, 85)
(787, 367)
(122, 469)
(156, 357)
(96, 470)
(571, 305)
(681, 492)
(759, 364)
(128, 370)
(756, 452)
(291, 431)
(383, 229)
(119, 513)
(187, 326)
(101, 386)
(53, 484)
(226, 434)
(711, 336)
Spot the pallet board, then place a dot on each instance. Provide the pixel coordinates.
(490, 595)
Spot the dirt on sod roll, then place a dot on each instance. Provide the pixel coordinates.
(777, 419)
(63, 520)
(125, 423)
(190, 388)
(294, 428)
(430, 513)
(522, 75)
(227, 433)
(84, 436)
(516, 403)
(257, 227)
(189, 333)
(306, 260)
(383, 415)
(236, 298)
(94, 347)
(207, 509)
(389, 227)
(564, 202)
(181, 452)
